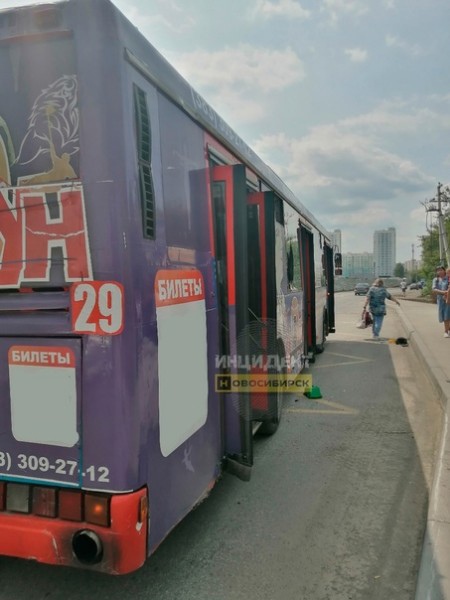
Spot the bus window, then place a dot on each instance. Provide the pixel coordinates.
(292, 249)
(184, 180)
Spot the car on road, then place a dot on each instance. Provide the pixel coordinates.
(416, 285)
(361, 289)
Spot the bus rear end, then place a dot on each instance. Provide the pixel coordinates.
(61, 499)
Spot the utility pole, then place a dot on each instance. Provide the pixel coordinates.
(442, 197)
(443, 242)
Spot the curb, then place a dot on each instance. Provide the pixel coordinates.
(433, 581)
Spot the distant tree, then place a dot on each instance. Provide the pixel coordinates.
(430, 252)
(399, 270)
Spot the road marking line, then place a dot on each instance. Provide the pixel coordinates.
(335, 409)
(356, 360)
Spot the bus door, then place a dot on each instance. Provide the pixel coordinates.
(306, 243)
(262, 297)
(329, 272)
(229, 208)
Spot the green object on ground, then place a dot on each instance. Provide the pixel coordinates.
(314, 392)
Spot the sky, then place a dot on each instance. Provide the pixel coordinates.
(347, 100)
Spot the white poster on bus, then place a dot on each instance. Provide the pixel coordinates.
(42, 381)
(182, 356)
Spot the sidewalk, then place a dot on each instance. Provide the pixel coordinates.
(426, 337)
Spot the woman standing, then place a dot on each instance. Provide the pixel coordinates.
(439, 288)
(376, 299)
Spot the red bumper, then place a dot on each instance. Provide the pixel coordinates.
(124, 543)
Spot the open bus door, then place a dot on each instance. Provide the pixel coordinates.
(306, 243)
(329, 272)
(266, 407)
(229, 209)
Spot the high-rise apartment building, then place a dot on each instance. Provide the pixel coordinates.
(336, 240)
(358, 265)
(384, 252)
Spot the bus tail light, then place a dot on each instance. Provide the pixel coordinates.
(44, 502)
(96, 509)
(2, 495)
(70, 505)
(18, 498)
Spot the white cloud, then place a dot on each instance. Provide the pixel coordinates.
(338, 8)
(356, 54)
(170, 4)
(393, 41)
(351, 166)
(346, 174)
(418, 214)
(170, 24)
(170, 16)
(283, 8)
(245, 66)
(240, 78)
(397, 118)
(236, 107)
(344, 170)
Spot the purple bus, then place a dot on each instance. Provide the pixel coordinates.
(148, 258)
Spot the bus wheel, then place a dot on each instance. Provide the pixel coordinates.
(271, 426)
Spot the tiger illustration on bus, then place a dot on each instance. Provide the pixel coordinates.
(52, 133)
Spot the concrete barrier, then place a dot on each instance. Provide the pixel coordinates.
(346, 284)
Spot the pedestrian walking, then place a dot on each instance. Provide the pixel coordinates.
(439, 288)
(376, 300)
(403, 287)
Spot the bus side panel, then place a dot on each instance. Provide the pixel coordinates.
(174, 283)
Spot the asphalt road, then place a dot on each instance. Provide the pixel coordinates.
(335, 509)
